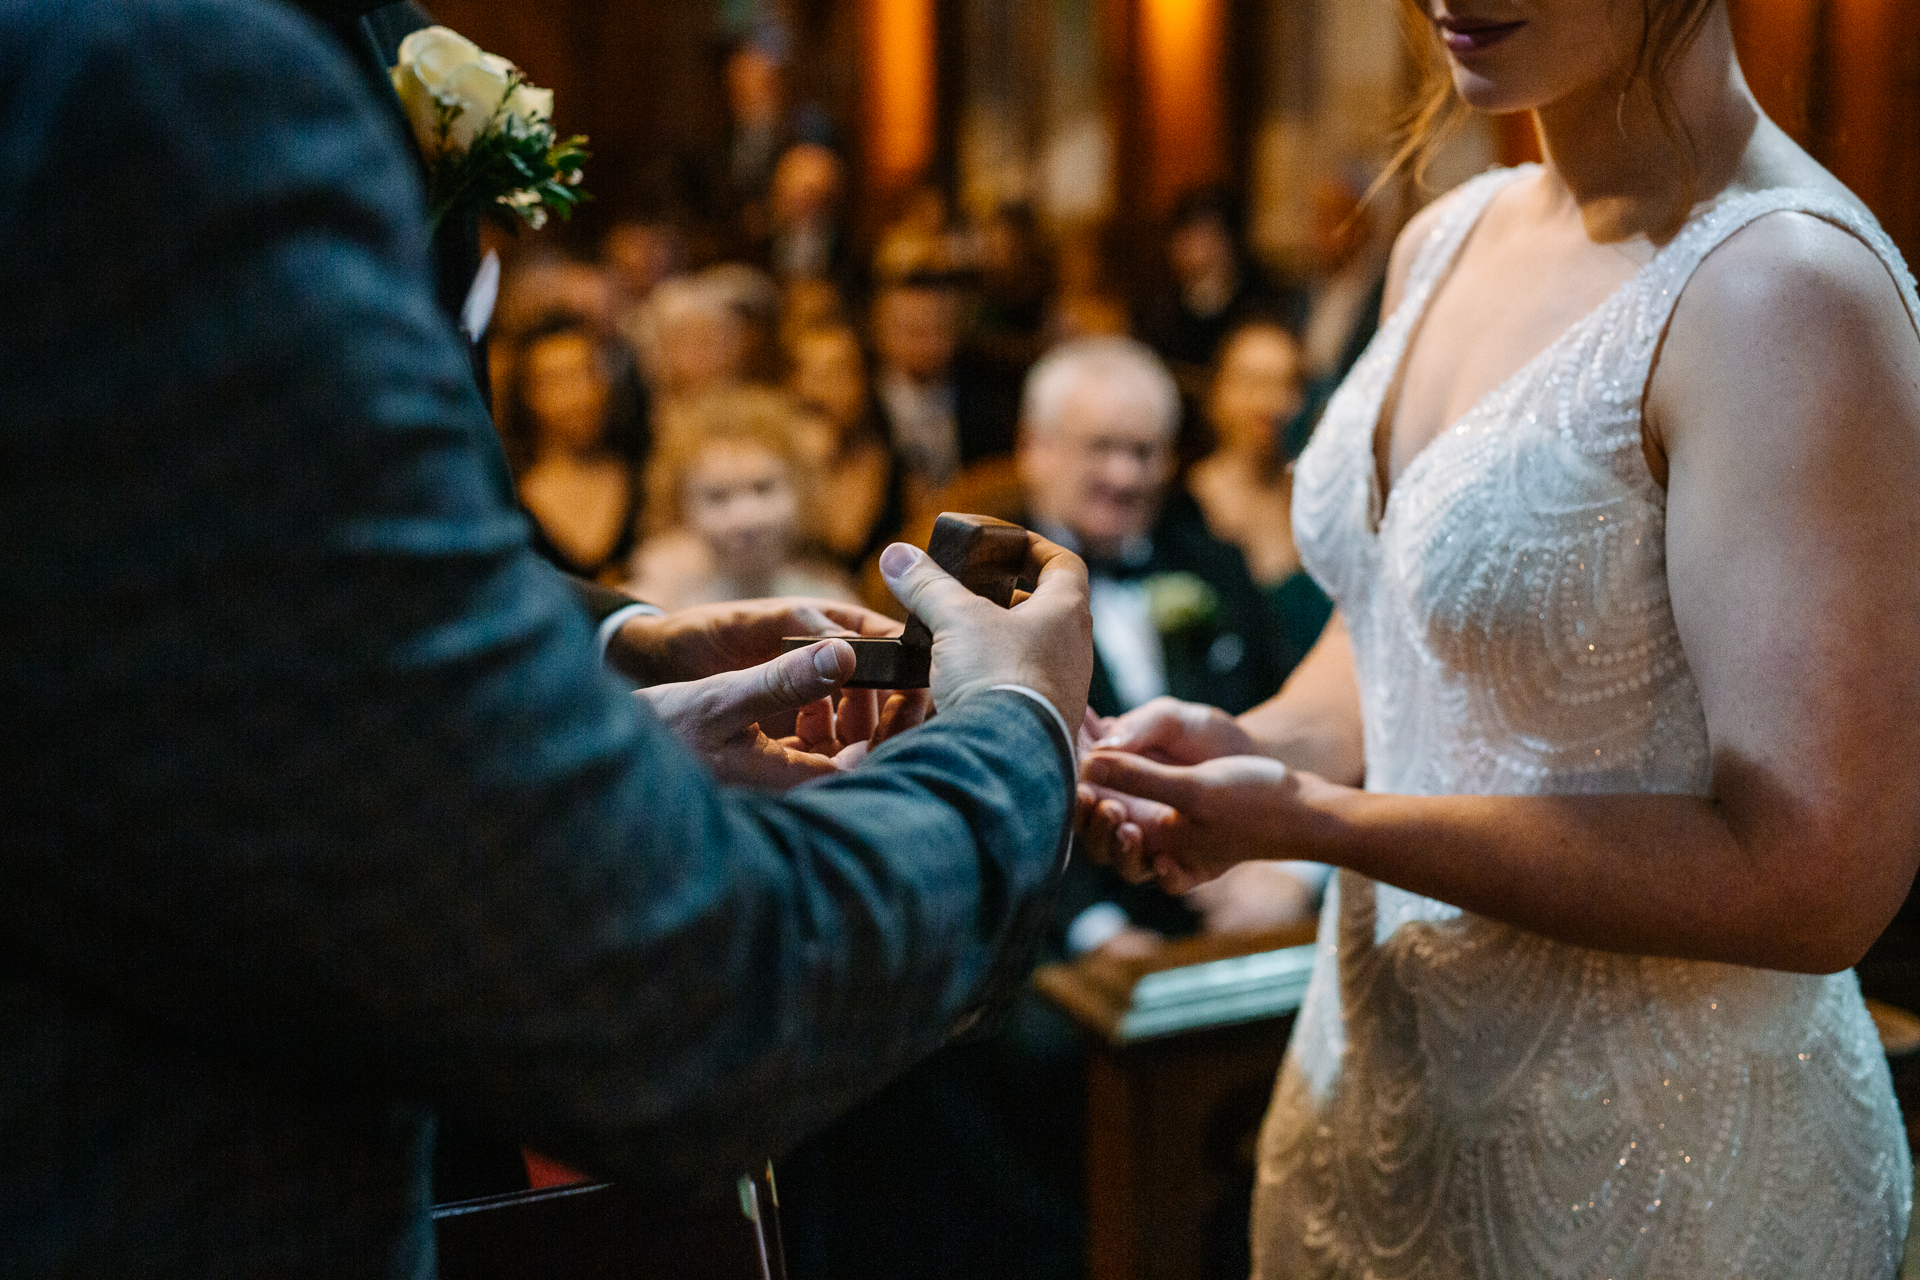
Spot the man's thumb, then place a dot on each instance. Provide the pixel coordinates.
(789, 682)
(930, 592)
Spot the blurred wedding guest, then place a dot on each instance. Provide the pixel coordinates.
(640, 253)
(1174, 607)
(1245, 486)
(1084, 304)
(1015, 272)
(921, 239)
(806, 226)
(943, 411)
(575, 428)
(537, 282)
(690, 338)
(860, 489)
(1350, 277)
(755, 298)
(726, 503)
(756, 103)
(809, 304)
(1213, 284)
(764, 122)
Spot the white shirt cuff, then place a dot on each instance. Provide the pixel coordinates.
(611, 624)
(1095, 927)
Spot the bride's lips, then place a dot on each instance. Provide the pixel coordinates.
(1471, 35)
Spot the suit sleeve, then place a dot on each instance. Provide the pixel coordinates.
(326, 774)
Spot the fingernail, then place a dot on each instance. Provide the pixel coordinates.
(898, 558)
(826, 662)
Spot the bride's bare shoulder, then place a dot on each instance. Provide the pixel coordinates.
(1789, 268)
(1773, 160)
(1791, 308)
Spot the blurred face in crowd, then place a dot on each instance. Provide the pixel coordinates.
(564, 386)
(914, 329)
(700, 347)
(753, 86)
(1100, 467)
(806, 185)
(1259, 389)
(739, 499)
(830, 376)
(1200, 250)
(539, 288)
(641, 255)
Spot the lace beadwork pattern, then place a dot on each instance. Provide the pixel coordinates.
(1465, 1099)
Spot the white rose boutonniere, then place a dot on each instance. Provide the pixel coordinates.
(486, 132)
(1180, 601)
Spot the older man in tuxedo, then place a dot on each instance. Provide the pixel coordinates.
(323, 819)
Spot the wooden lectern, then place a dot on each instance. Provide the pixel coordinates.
(1186, 1046)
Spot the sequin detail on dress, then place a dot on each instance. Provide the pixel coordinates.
(1465, 1099)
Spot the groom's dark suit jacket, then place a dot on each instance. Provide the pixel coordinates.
(319, 816)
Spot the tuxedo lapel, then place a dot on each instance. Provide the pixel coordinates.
(1102, 696)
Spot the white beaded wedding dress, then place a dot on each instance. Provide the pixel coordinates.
(1463, 1098)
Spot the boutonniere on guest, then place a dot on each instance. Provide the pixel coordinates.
(486, 132)
(1180, 601)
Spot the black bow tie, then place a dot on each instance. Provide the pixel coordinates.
(1125, 568)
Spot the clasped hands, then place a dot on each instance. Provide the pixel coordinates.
(1180, 793)
(716, 674)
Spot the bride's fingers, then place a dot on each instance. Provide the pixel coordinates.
(1098, 818)
(1174, 878)
(1172, 786)
(1129, 845)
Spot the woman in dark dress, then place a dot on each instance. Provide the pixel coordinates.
(576, 431)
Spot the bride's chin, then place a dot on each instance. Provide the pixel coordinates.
(1484, 93)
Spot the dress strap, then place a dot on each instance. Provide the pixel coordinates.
(1669, 272)
(1459, 212)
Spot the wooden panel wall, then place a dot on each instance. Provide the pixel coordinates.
(642, 79)
(1843, 77)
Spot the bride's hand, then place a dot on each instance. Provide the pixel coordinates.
(1175, 732)
(1166, 730)
(1185, 824)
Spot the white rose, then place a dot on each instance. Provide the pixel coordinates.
(530, 104)
(433, 53)
(442, 68)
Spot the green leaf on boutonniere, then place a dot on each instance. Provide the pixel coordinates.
(1180, 601)
(514, 170)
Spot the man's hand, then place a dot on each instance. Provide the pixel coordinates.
(1044, 642)
(719, 718)
(705, 640)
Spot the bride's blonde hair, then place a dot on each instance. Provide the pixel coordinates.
(1667, 27)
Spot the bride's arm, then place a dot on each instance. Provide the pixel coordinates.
(1788, 407)
(1313, 723)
